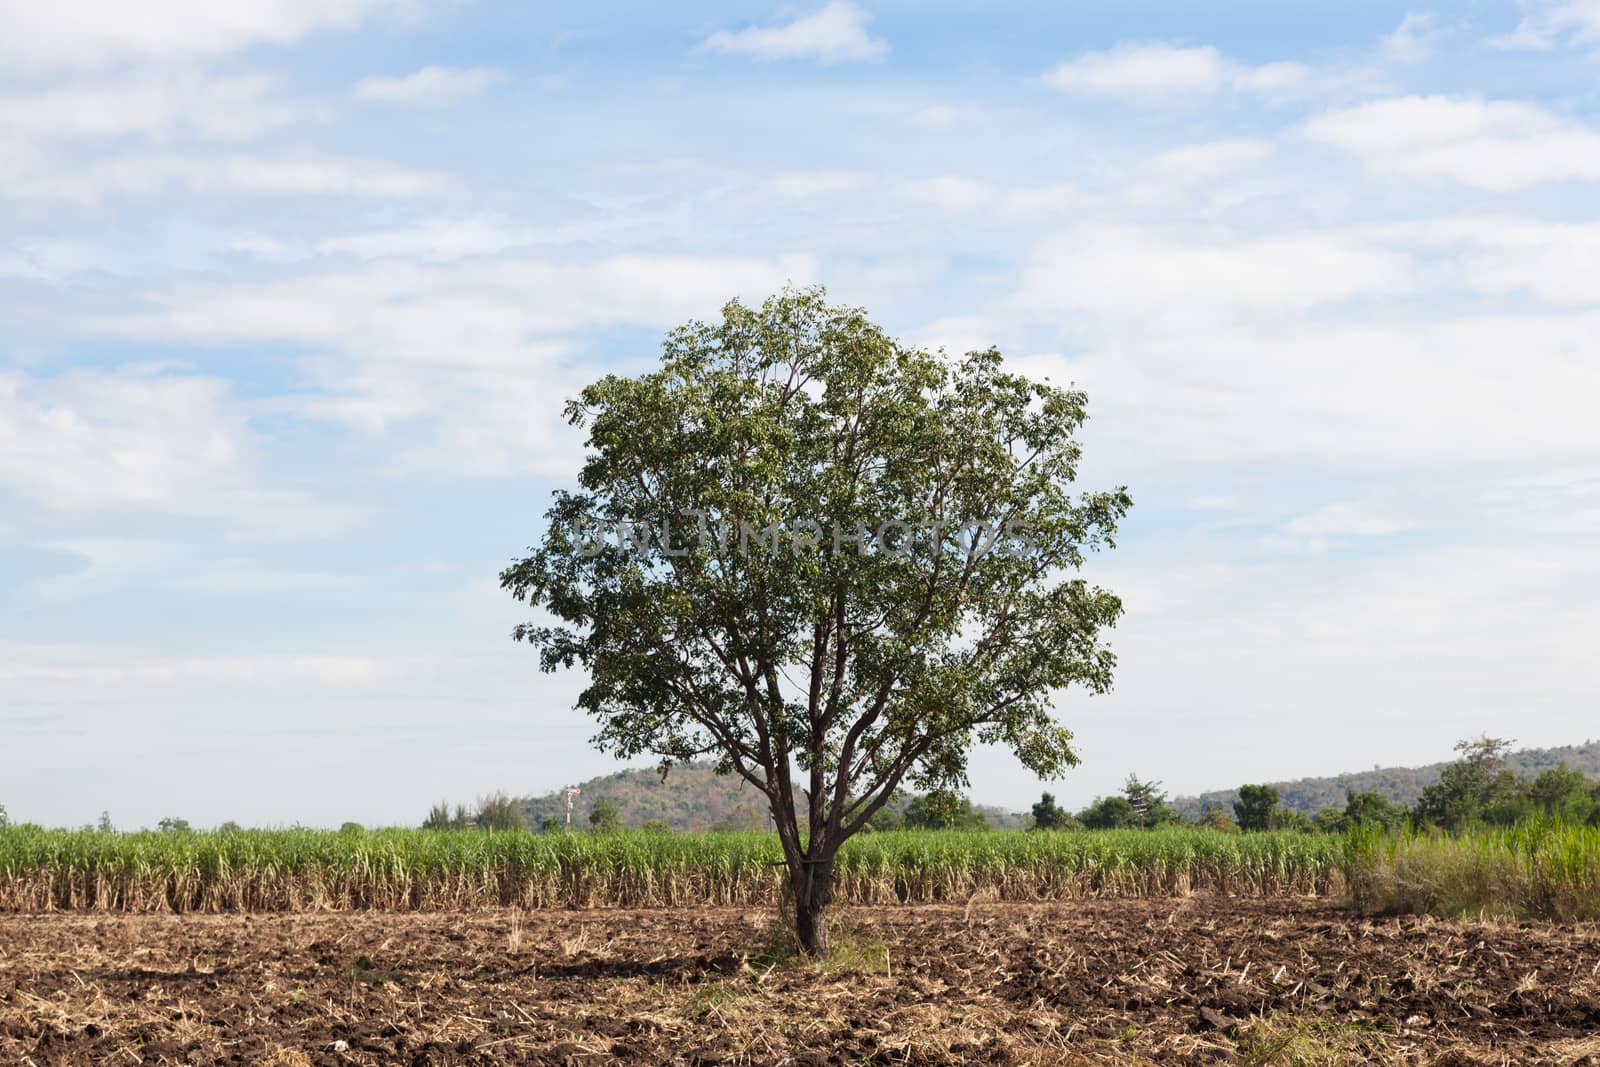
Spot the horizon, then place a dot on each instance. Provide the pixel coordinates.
(294, 302)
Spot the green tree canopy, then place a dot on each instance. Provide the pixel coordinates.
(1109, 813)
(604, 816)
(1047, 816)
(943, 811)
(831, 561)
(1475, 789)
(1255, 807)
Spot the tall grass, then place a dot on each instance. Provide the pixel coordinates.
(1533, 870)
(1537, 869)
(291, 870)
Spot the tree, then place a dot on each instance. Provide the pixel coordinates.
(1046, 816)
(1255, 806)
(942, 810)
(1475, 789)
(172, 825)
(1109, 813)
(886, 818)
(1372, 808)
(1566, 794)
(604, 816)
(351, 828)
(440, 817)
(1149, 803)
(1217, 818)
(497, 811)
(103, 824)
(829, 560)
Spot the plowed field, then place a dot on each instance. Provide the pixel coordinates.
(1193, 980)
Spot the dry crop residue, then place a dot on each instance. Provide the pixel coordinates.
(1193, 980)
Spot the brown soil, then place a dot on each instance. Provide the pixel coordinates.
(1197, 980)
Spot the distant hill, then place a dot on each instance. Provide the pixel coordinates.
(692, 798)
(1401, 784)
(696, 798)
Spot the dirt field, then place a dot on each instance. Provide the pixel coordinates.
(1197, 980)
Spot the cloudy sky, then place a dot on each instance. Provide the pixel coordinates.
(292, 293)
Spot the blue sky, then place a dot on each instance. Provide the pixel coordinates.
(293, 293)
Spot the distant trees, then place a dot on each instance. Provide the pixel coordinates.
(1476, 788)
(173, 825)
(1255, 806)
(1368, 808)
(495, 811)
(441, 817)
(1108, 813)
(604, 816)
(1141, 805)
(1216, 817)
(1566, 794)
(1046, 816)
(1149, 803)
(943, 811)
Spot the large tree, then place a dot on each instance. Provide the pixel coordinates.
(828, 559)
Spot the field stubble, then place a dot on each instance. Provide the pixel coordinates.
(1201, 979)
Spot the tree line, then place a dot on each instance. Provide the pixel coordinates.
(1478, 789)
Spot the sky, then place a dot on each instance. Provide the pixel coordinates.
(292, 293)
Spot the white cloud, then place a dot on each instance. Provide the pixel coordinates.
(103, 560)
(1123, 270)
(434, 239)
(1497, 145)
(805, 184)
(79, 674)
(1215, 159)
(948, 192)
(1139, 69)
(943, 116)
(398, 342)
(835, 34)
(1320, 530)
(73, 182)
(1550, 22)
(1226, 347)
(230, 109)
(1414, 39)
(1335, 520)
(87, 33)
(430, 85)
(1044, 199)
(89, 441)
(241, 576)
(1556, 263)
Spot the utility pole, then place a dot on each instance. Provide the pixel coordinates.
(572, 791)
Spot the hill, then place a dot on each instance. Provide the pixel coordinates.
(692, 797)
(1403, 785)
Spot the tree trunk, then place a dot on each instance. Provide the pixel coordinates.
(811, 927)
(813, 889)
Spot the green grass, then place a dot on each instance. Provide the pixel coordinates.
(1538, 869)
(286, 870)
